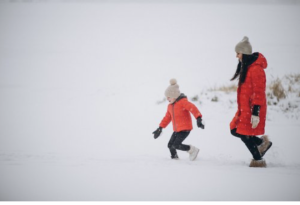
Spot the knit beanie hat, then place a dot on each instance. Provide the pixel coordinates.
(244, 46)
(173, 90)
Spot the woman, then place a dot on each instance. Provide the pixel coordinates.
(250, 117)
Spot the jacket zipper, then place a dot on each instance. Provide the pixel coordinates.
(174, 117)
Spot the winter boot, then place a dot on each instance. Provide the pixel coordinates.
(258, 163)
(175, 157)
(265, 145)
(193, 152)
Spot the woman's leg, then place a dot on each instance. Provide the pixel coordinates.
(251, 143)
(256, 140)
(234, 133)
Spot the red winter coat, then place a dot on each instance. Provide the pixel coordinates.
(251, 92)
(179, 114)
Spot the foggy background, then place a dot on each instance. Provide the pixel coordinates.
(83, 78)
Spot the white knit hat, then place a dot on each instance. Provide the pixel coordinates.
(244, 46)
(173, 90)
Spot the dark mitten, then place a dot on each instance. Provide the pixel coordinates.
(199, 123)
(157, 132)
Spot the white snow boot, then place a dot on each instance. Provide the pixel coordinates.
(193, 152)
(265, 145)
(258, 163)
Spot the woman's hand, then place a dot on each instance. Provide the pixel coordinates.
(254, 121)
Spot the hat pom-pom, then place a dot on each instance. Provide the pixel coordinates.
(245, 39)
(173, 81)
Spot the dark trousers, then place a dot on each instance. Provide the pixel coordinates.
(176, 142)
(251, 143)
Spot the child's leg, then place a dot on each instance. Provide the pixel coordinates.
(180, 137)
(170, 145)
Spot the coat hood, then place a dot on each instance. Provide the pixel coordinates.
(261, 61)
(181, 96)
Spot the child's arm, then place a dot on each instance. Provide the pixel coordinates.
(166, 120)
(164, 123)
(192, 108)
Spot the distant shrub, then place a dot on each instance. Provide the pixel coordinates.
(277, 89)
(215, 99)
(293, 78)
(226, 89)
(195, 98)
(161, 101)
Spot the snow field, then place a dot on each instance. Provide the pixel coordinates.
(79, 92)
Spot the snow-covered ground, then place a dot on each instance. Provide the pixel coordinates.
(82, 88)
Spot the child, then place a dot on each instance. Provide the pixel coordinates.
(178, 112)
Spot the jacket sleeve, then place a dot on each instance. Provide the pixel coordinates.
(259, 85)
(166, 120)
(192, 108)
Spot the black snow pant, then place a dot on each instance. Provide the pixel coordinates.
(251, 143)
(176, 142)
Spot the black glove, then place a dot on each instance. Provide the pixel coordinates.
(157, 132)
(199, 123)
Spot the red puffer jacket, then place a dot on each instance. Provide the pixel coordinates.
(250, 93)
(179, 114)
